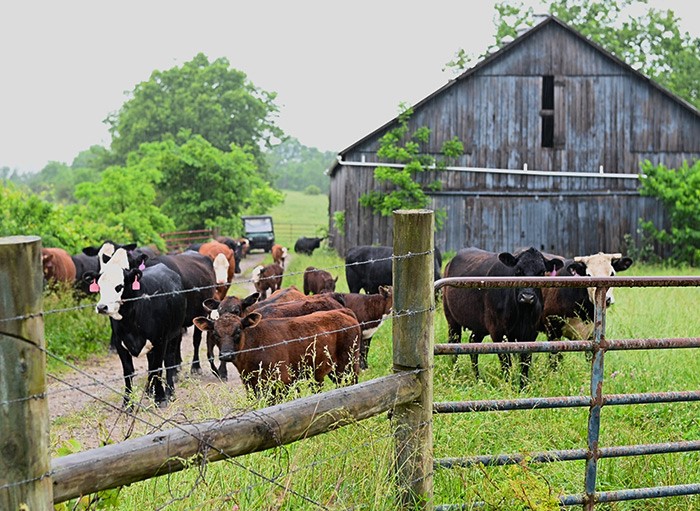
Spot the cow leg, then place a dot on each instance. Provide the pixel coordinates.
(554, 327)
(454, 333)
(171, 359)
(128, 370)
(364, 352)
(155, 373)
(196, 341)
(473, 337)
(503, 357)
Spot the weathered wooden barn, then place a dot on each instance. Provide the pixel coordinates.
(554, 130)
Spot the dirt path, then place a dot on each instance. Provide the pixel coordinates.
(85, 404)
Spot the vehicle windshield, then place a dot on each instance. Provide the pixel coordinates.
(258, 225)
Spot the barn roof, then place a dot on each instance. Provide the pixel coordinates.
(508, 48)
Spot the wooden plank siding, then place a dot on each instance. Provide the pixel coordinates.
(605, 114)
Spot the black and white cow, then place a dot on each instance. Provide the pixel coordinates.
(369, 267)
(135, 322)
(512, 313)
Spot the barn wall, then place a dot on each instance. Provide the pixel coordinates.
(605, 116)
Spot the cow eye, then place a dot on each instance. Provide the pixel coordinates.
(119, 288)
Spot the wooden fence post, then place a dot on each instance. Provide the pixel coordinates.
(413, 337)
(25, 483)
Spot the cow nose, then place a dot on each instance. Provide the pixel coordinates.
(101, 308)
(226, 356)
(527, 298)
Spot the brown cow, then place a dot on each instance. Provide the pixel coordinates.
(224, 265)
(318, 281)
(371, 311)
(266, 350)
(279, 254)
(267, 277)
(58, 266)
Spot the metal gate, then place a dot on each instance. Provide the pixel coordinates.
(598, 347)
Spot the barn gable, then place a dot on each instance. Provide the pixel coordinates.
(554, 129)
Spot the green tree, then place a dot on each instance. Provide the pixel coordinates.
(679, 190)
(402, 147)
(201, 186)
(294, 166)
(206, 98)
(651, 42)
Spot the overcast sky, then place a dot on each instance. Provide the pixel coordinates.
(340, 69)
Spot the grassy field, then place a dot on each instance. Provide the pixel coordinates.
(351, 468)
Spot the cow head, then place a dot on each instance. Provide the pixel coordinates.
(530, 263)
(109, 249)
(603, 265)
(229, 305)
(221, 266)
(227, 332)
(116, 283)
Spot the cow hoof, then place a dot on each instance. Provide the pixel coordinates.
(196, 370)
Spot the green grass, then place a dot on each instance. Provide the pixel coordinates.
(351, 468)
(300, 215)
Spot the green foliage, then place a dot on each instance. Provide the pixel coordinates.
(312, 190)
(679, 190)
(651, 42)
(294, 166)
(210, 99)
(398, 146)
(339, 222)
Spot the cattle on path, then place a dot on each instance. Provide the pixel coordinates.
(512, 313)
(269, 350)
(318, 281)
(158, 319)
(58, 266)
(306, 245)
(237, 247)
(569, 311)
(266, 278)
(371, 311)
(279, 254)
(368, 267)
(224, 261)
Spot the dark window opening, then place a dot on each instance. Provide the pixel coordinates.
(547, 92)
(547, 131)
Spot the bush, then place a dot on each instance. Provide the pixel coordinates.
(312, 190)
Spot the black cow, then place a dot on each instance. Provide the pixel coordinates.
(368, 267)
(134, 322)
(306, 245)
(85, 265)
(512, 313)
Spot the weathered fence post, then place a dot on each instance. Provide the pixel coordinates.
(25, 482)
(414, 304)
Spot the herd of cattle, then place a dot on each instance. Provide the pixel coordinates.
(151, 299)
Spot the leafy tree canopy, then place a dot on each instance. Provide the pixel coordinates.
(651, 42)
(201, 186)
(206, 98)
(294, 166)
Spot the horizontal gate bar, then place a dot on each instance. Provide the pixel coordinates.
(569, 454)
(564, 346)
(606, 496)
(535, 403)
(498, 282)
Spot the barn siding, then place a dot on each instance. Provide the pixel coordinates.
(605, 115)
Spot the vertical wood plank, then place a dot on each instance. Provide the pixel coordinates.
(414, 304)
(24, 411)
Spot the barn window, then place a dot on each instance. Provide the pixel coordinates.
(547, 112)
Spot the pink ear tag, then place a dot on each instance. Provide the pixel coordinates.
(136, 285)
(142, 266)
(94, 287)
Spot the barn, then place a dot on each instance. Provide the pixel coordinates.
(554, 130)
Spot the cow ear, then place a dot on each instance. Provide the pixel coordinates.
(507, 259)
(622, 264)
(336, 279)
(203, 323)
(91, 251)
(576, 269)
(251, 319)
(553, 264)
(129, 247)
(210, 304)
(250, 300)
(132, 278)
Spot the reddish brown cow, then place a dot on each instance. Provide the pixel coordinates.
(267, 277)
(266, 350)
(318, 281)
(57, 266)
(224, 265)
(371, 310)
(279, 254)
